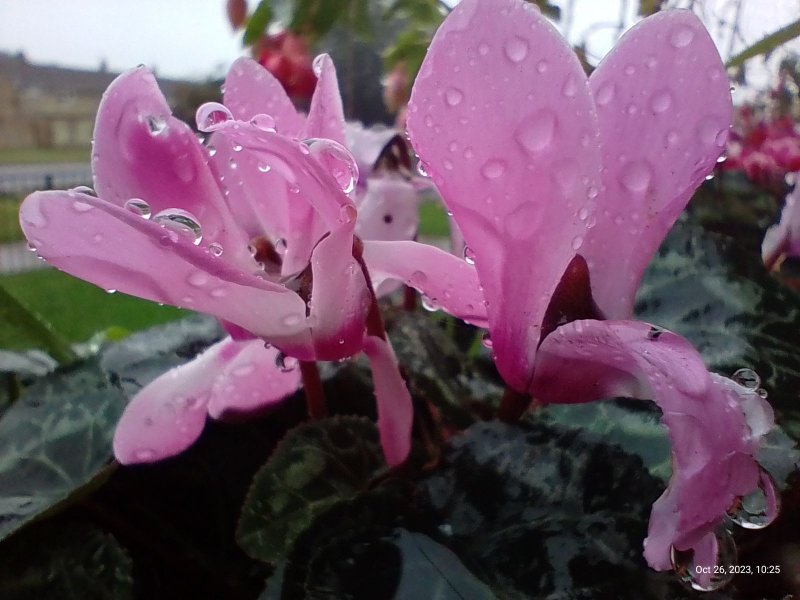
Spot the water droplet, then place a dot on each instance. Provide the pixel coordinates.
(264, 122)
(280, 246)
(592, 192)
(182, 222)
(516, 49)
(337, 160)
(629, 70)
(111, 291)
(681, 37)
(541, 66)
(493, 168)
(211, 150)
(631, 109)
(486, 340)
(583, 213)
(264, 168)
(292, 320)
(605, 93)
(747, 378)
(483, 48)
(284, 363)
(577, 242)
(156, 125)
(198, 279)
(318, 64)
(453, 96)
(211, 116)
(690, 574)
(709, 177)
(536, 131)
(655, 332)
(672, 138)
(650, 62)
(218, 293)
(570, 87)
(232, 164)
(430, 304)
(81, 207)
(661, 101)
(469, 255)
(215, 248)
(722, 158)
(636, 176)
(138, 207)
(82, 189)
(347, 213)
(418, 279)
(710, 133)
(421, 169)
(759, 508)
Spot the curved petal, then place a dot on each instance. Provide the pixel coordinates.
(291, 194)
(395, 408)
(169, 413)
(447, 281)
(502, 118)
(783, 238)
(712, 424)
(251, 382)
(252, 90)
(388, 210)
(142, 152)
(340, 299)
(664, 104)
(115, 249)
(326, 115)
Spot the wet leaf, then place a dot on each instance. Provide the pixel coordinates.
(65, 562)
(315, 467)
(54, 440)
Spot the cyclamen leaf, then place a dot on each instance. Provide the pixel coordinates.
(316, 466)
(54, 440)
(65, 562)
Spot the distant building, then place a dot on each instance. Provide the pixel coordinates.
(44, 106)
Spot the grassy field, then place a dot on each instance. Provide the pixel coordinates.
(9, 220)
(29, 156)
(77, 310)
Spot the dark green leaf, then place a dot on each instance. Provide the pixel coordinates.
(257, 23)
(315, 467)
(54, 440)
(315, 18)
(767, 44)
(65, 562)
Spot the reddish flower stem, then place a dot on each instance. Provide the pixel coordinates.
(312, 386)
(512, 406)
(409, 299)
(374, 323)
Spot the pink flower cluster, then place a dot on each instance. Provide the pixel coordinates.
(562, 186)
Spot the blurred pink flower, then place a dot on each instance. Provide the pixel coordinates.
(557, 179)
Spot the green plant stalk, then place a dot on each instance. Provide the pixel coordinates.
(767, 44)
(22, 318)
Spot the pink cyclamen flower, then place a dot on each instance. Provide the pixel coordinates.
(559, 178)
(256, 229)
(783, 238)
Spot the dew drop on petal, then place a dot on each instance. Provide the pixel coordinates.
(486, 340)
(483, 48)
(139, 207)
(583, 213)
(211, 150)
(605, 93)
(430, 304)
(347, 213)
(681, 36)
(453, 96)
(536, 131)
(336, 159)
(469, 255)
(181, 222)
(636, 176)
(577, 242)
(215, 249)
(541, 66)
(284, 363)
(211, 116)
(421, 169)
(516, 49)
(570, 87)
(292, 320)
(318, 63)
(759, 508)
(198, 279)
(690, 574)
(661, 101)
(81, 207)
(264, 168)
(264, 122)
(747, 378)
(493, 168)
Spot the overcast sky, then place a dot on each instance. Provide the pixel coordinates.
(192, 38)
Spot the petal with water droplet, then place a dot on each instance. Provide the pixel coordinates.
(519, 138)
(670, 145)
(326, 115)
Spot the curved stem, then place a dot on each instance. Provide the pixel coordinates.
(312, 387)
